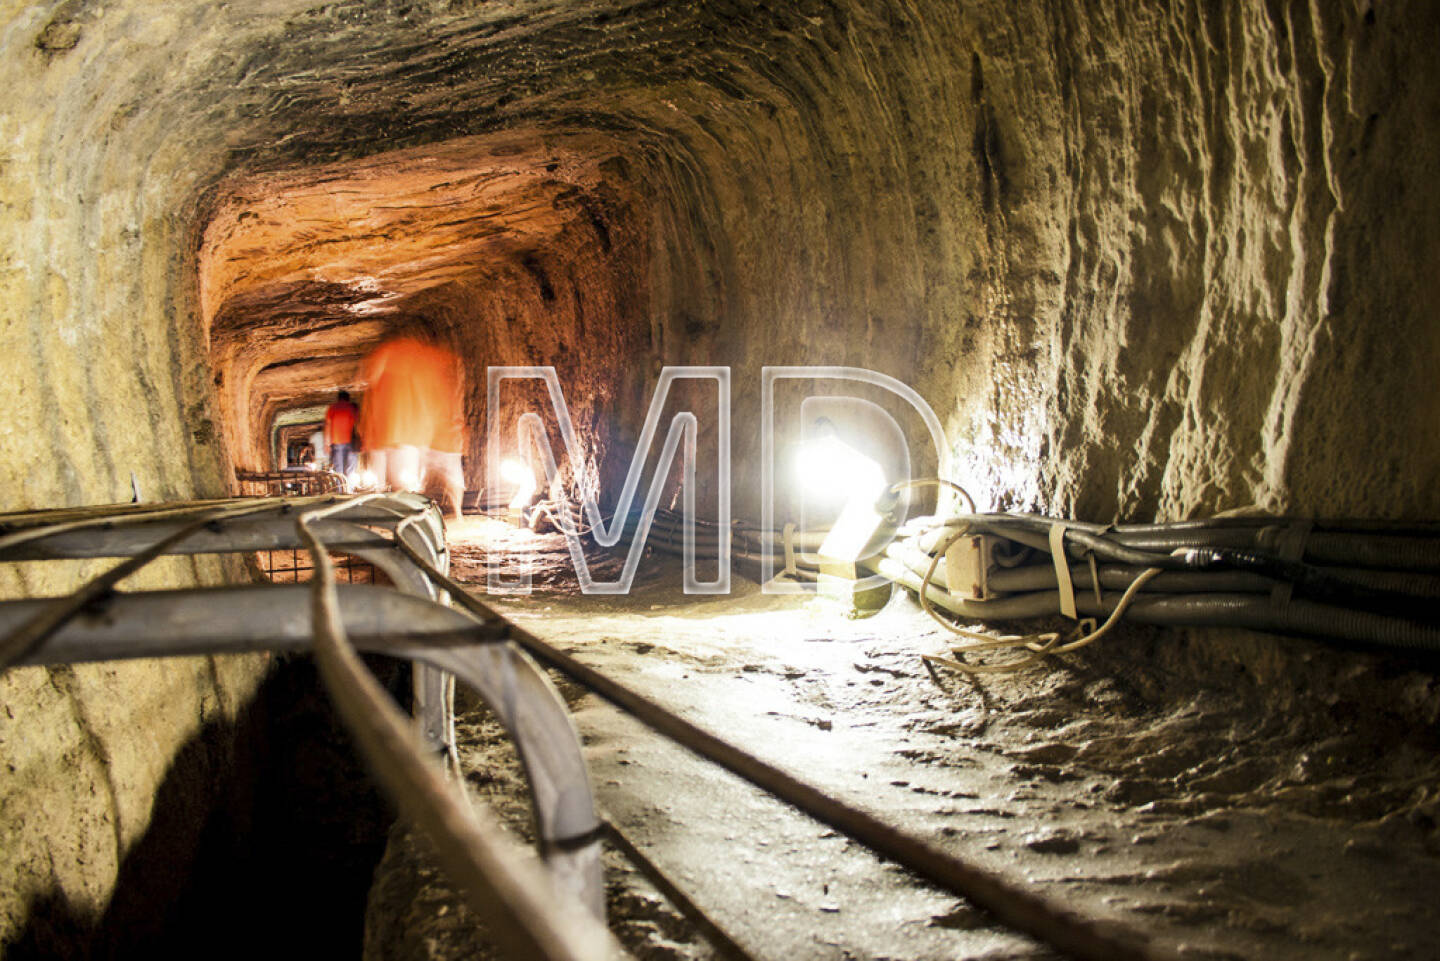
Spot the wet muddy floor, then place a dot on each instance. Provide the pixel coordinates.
(1230, 796)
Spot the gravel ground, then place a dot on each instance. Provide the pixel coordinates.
(1225, 811)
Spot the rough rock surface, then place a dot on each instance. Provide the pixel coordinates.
(1223, 817)
(1128, 254)
(1143, 259)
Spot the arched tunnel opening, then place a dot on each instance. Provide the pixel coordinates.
(1150, 282)
(506, 250)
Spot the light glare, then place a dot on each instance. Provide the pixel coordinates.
(515, 471)
(828, 465)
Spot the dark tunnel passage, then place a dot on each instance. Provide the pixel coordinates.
(1145, 262)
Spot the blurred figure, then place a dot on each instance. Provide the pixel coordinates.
(442, 459)
(317, 458)
(412, 420)
(340, 418)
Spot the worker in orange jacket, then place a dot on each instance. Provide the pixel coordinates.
(412, 419)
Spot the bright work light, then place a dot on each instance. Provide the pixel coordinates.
(830, 466)
(517, 472)
(865, 524)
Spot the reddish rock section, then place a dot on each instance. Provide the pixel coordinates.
(513, 250)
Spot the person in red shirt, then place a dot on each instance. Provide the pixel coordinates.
(340, 433)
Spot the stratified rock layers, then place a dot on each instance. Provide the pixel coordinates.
(1148, 260)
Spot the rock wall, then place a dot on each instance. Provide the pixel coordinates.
(101, 767)
(1146, 259)
(1144, 262)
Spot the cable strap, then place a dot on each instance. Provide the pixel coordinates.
(1291, 547)
(575, 841)
(1062, 571)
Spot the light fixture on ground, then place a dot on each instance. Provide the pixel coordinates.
(516, 472)
(866, 523)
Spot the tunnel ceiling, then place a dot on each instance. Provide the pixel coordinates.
(363, 236)
(387, 164)
(304, 270)
(1062, 224)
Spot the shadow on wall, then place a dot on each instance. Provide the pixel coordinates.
(264, 837)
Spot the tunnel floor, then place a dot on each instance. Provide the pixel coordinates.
(1137, 784)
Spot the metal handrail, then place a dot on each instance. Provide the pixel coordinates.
(553, 914)
(279, 483)
(54, 615)
(528, 919)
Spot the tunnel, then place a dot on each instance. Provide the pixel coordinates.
(1136, 263)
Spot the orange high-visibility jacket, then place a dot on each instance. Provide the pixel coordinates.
(413, 397)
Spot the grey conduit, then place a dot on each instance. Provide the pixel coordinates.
(1373, 550)
(1042, 577)
(1351, 525)
(1256, 612)
(1081, 540)
(1038, 577)
(1411, 546)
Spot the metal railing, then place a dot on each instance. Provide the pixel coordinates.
(289, 483)
(552, 912)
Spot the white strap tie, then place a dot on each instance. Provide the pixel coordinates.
(1062, 571)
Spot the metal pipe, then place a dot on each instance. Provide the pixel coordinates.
(240, 620)
(25, 526)
(271, 528)
(719, 938)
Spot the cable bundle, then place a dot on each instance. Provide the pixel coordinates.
(1367, 582)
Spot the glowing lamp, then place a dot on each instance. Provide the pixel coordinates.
(517, 472)
(831, 466)
(410, 479)
(865, 525)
